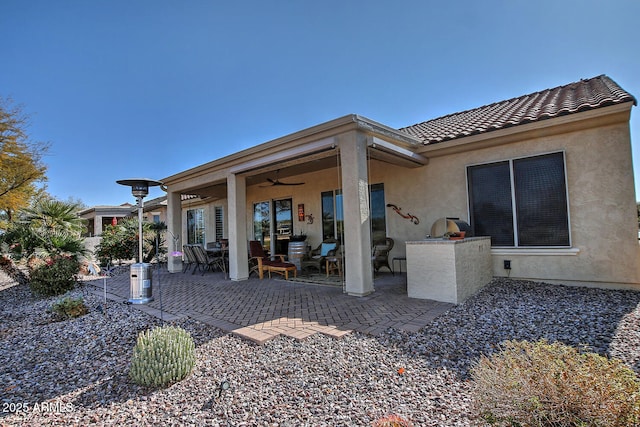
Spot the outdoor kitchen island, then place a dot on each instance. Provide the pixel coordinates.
(448, 270)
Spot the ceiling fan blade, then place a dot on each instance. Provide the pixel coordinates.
(278, 182)
(289, 183)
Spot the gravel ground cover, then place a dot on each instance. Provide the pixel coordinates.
(75, 372)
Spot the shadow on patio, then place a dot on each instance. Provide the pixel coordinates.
(260, 310)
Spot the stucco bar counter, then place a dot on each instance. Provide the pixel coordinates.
(448, 270)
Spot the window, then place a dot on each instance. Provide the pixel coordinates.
(195, 226)
(271, 220)
(284, 216)
(378, 214)
(333, 219)
(262, 223)
(219, 223)
(520, 202)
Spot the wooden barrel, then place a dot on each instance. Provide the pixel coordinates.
(297, 250)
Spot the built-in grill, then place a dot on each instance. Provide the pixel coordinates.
(449, 225)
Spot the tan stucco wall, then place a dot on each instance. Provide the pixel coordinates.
(605, 250)
(601, 203)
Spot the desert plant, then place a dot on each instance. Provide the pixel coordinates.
(155, 241)
(54, 276)
(542, 384)
(51, 227)
(70, 307)
(162, 356)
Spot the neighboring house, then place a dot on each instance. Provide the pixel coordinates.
(548, 176)
(98, 217)
(155, 210)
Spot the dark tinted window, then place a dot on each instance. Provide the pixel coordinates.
(490, 202)
(540, 196)
(541, 201)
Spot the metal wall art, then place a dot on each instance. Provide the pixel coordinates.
(413, 219)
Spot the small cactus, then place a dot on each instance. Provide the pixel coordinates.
(70, 307)
(162, 356)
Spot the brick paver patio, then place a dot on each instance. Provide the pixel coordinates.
(260, 310)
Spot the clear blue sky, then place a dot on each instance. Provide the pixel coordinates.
(128, 88)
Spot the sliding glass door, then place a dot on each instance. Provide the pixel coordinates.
(262, 223)
(333, 219)
(273, 224)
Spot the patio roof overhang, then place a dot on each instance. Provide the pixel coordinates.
(308, 150)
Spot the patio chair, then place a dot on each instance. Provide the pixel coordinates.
(189, 259)
(380, 255)
(263, 262)
(316, 257)
(220, 256)
(208, 262)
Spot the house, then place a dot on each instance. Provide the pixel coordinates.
(98, 217)
(548, 176)
(155, 210)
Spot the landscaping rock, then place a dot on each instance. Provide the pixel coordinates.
(75, 372)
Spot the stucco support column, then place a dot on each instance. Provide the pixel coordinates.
(237, 202)
(174, 226)
(357, 219)
(97, 226)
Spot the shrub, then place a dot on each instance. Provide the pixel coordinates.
(162, 356)
(55, 276)
(392, 421)
(49, 227)
(542, 384)
(120, 242)
(70, 307)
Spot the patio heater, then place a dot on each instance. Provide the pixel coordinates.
(140, 290)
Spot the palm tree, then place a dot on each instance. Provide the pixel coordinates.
(54, 227)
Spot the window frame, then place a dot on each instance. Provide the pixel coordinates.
(218, 219)
(199, 226)
(514, 225)
(336, 220)
(271, 240)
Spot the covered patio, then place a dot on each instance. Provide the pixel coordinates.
(260, 310)
(341, 157)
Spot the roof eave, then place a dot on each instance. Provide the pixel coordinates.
(236, 161)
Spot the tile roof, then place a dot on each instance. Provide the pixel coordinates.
(575, 97)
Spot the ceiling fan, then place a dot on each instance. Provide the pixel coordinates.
(278, 182)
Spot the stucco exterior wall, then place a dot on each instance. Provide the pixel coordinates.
(605, 250)
(602, 212)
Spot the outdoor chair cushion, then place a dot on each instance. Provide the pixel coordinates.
(272, 263)
(326, 248)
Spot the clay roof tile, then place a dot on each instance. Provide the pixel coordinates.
(583, 95)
